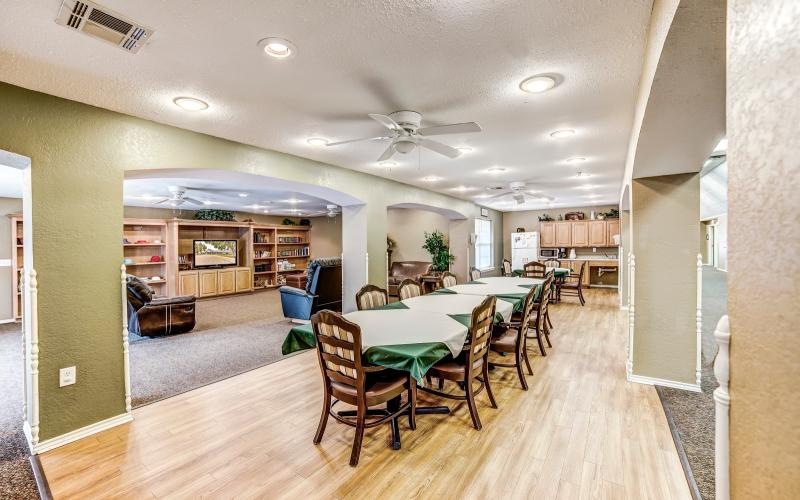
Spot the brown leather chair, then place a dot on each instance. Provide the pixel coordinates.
(347, 379)
(153, 317)
(472, 364)
(411, 269)
(371, 297)
(573, 285)
(539, 321)
(512, 340)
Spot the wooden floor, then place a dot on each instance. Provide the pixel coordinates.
(581, 431)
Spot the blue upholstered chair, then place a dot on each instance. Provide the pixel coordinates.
(323, 290)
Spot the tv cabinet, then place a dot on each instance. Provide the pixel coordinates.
(212, 282)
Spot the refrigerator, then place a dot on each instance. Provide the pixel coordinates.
(524, 249)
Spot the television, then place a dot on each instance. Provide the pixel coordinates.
(214, 253)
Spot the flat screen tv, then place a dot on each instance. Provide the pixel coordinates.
(214, 253)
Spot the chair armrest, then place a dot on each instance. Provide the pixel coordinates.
(290, 290)
(374, 368)
(168, 301)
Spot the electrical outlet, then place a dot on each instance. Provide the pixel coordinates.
(67, 376)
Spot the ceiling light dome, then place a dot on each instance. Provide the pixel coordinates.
(404, 147)
(538, 83)
(317, 141)
(575, 159)
(562, 134)
(279, 48)
(190, 104)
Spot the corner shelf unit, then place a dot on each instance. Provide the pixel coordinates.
(17, 264)
(144, 239)
(278, 250)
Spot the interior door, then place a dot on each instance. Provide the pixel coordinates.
(711, 247)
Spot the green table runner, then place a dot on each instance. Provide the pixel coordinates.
(558, 272)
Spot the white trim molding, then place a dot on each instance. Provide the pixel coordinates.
(126, 361)
(77, 434)
(631, 311)
(699, 321)
(31, 330)
(641, 379)
(722, 404)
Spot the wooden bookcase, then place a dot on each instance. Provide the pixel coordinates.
(144, 239)
(17, 265)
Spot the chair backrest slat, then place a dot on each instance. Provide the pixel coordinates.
(552, 263)
(474, 274)
(506, 267)
(448, 279)
(371, 297)
(480, 331)
(544, 301)
(409, 288)
(534, 269)
(338, 348)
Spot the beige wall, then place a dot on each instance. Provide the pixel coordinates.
(7, 206)
(665, 214)
(764, 212)
(625, 248)
(407, 227)
(529, 220)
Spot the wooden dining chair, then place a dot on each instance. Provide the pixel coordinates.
(538, 322)
(552, 263)
(472, 364)
(534, 269)
(507, 271)
(573, 285)
(448, 279)
(409, 288)
(371, 297)
(474, 273)
(514, 339)
(345, 378)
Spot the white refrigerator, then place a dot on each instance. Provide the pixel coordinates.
(524, 249)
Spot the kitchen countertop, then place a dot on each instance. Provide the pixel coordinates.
(610, 259)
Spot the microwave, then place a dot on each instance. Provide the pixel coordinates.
(548, 253)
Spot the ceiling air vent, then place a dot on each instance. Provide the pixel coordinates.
(104, 24)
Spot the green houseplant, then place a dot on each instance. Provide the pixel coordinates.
(436, 245)
(221, 215)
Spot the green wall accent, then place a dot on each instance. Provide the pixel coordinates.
(79, 155)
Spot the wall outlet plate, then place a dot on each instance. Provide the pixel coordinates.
(67, 376)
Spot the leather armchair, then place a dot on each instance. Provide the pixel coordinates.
(410, 269)
(153, 317)
(323, 290)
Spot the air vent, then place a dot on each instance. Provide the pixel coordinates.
(104, 24)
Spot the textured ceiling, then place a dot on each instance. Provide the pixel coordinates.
(10, 182)
(452, 61)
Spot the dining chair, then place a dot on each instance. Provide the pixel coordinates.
(538, 322)
(507, 271)
(346, 378)
(514, 339)
(534, 269)
(448, 279)
(409, 288)
(371, 297)
(573, 285)
(474, 273)
(472, 363)
(552, 263)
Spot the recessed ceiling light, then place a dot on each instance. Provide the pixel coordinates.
(575, 159)
(464, 149)
(461, 189)
(266, 211)
(294, 201)
(431, 178)
(495, 170)
(592, 195)
(587, 186)
(582, 175)
(562, 134)
(317, 141)
(190, 104)
(387, 163)
(242, 195)
(482, 196)
(279, 48)
(209, 202)
(538, 83)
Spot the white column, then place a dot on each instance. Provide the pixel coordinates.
(631, 283)
(126, 363)
(699, 321)
(33, 330)
(355, 260)
(722, 403)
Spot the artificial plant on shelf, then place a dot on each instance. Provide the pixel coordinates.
(436, 245)
(211, 214)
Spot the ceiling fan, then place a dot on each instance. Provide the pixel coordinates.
(518, 191)
(177, 196)
(330, 211)
(406, 135)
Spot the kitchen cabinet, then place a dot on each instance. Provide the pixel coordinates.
(612, 230)
(226, 281)
(563, 234)
(244, 281)
(211, 282)
(598, 233)
(580, 233)
(187, 284)
(547, 235)
(208, 283)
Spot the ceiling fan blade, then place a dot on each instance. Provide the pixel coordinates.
(193, 201)
(455, 128)
(358, 140)
(442, 149)
(162, 201)
(386, 122)
(387, 154)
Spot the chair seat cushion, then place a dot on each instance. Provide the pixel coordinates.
(379, 388)
(506, 342)
(454, 369)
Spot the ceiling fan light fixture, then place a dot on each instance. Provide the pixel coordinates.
(190, 103)
(279, 48)
(387, 163)
(575, 159)
(537, 84)
(562, 134)
(404, 147)
(317, 141)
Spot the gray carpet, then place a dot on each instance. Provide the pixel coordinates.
(693, 413)
(16, 476)
(223, 344)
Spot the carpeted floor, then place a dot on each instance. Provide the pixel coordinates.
(233, 335)
(16, 476)
(693, 413)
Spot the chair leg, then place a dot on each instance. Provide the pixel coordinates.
(441, 384)
(547, 317)
(486, 382)
(547, 336)
(580, 296)
(539, 340)
(412, 412)
(525, 356)
(473, 410)
(521, 374)
(323, 419)
(360, 420)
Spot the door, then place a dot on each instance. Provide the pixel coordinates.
(187, 284)
(548, 235)
(563, 234)
(208, 283)
(711, 246)
(244, 280)
(597, 233)
(613, 230)
(226, 281)
(580, 234)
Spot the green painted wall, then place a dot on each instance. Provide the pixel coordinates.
(79, 154)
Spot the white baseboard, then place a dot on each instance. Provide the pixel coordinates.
(639, 379)
(4, 321)
(75, 435)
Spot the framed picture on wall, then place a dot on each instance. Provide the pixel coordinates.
(484, 212)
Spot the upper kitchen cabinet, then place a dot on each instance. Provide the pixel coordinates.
(563, 234)
(580, 233)
(613, 230)
(547, 235)
(598, 233)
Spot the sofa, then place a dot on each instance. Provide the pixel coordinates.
(401, 270)
(323, 290)
(154, 317)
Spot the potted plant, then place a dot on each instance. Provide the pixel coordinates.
(437, 247)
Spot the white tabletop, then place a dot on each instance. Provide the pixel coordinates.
(456, 304)
(497, 286)
(408, 326)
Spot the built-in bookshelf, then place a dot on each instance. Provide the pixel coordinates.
(17, 264)
(292, 251)
(144, 248)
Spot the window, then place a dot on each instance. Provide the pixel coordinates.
(483, 244)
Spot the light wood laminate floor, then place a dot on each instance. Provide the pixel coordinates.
(581, 431)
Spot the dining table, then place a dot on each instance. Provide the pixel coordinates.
(558, 272)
